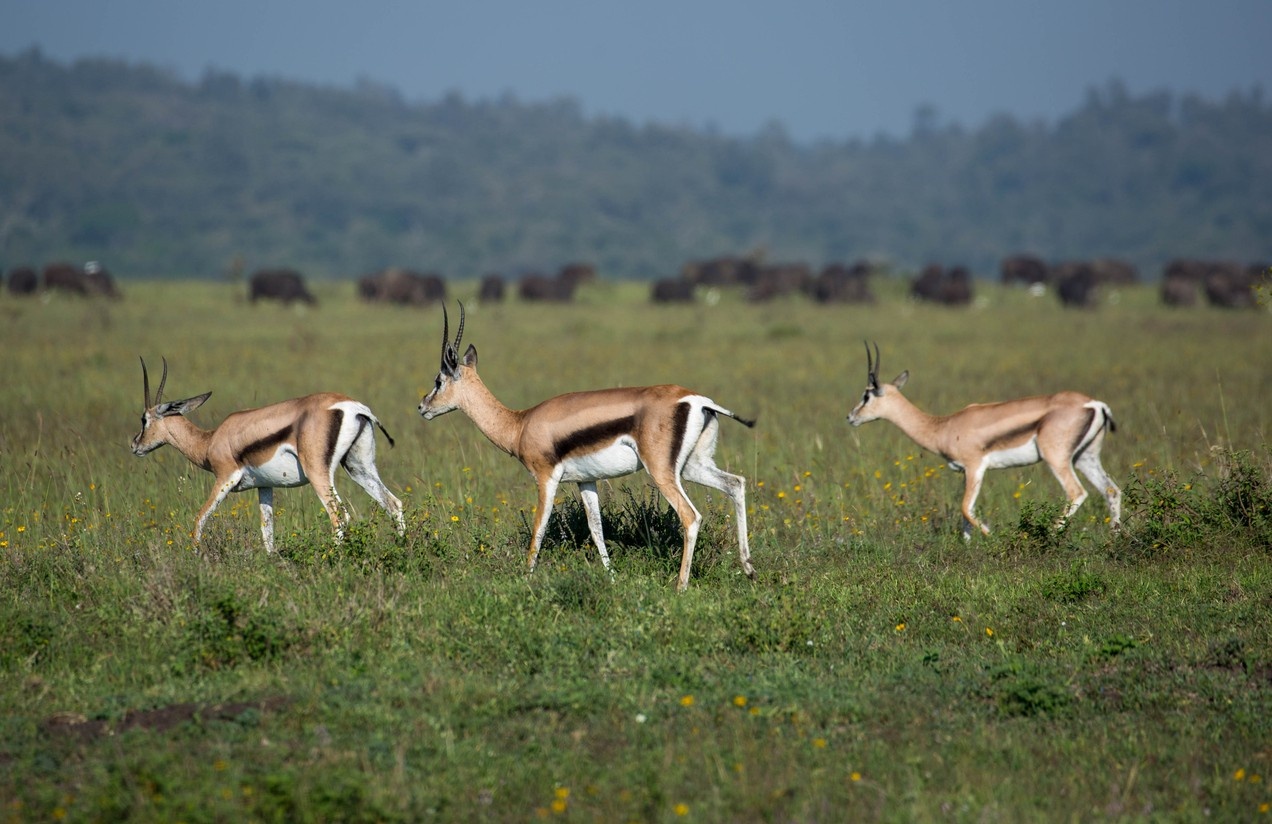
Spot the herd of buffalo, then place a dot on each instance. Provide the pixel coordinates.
(1184, 282)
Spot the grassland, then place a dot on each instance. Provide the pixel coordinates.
(879, 669)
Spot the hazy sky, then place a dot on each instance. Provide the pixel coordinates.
(822, 68)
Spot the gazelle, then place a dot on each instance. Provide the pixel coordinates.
(585, 437)
(1064, 430)
(292, 443)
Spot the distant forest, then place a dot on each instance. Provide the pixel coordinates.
(160, 177)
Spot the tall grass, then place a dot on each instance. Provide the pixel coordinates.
(879, 669)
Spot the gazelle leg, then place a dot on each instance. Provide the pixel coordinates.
(1089, 464)
(547, 492)
(690, 522)
(359, 462)
(703, 471)
(592, 506)
(326, 491)
(266, 495)
(971, 492)
(1074, 491)
(222, 489)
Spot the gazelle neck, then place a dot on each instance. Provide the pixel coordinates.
(189, 440)
(501, 425)
(918, 425)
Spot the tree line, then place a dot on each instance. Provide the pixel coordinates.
(158, 176)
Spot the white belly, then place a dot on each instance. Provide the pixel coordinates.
(282, 470)
(1024, 455)
(618, 459)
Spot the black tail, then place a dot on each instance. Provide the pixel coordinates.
(376, 421)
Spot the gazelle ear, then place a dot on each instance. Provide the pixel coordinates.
(899, 380)
(188, 405)
(470, 356)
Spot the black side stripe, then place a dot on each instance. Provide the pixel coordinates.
(336, 417)
(592, 435)
(269, 442)
(678, 426)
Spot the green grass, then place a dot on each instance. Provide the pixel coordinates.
(879, 669)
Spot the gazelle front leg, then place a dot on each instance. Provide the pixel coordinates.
(266, 495)
(547, 492)
(222, 489)
(975, 477)
(592, 506)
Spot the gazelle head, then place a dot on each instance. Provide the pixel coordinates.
(875, 400)
(448, 384)
(154, 427)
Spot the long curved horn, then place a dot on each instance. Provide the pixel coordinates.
(445, 334)
(162, 380)
(872, 376)
(876, 363)
(460, 334)
(145, 384)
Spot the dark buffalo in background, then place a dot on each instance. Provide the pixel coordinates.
(1031, 270)
(402, 287)
(1225, 284)
(559, 289)
(1177, 291)
(1181, 282)
(776, 280)
(1114, 272)
(672, 290)
(1024, 268)
(838, 283)
(285, 285)
(1075, 283)
(577, 273)
(492, 289)
(718, 271)
(23, 280)
(540, 287)
(949, 287)
(1231, 285)
(92, 280)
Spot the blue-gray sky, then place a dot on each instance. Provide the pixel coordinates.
(822, 68)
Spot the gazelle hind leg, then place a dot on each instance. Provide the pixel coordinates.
(703, 471)
(1089, 464)
(592, 507)
(325, 488)
(690, 521)
(359, 462)
(700, 468)
(1062, 467)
